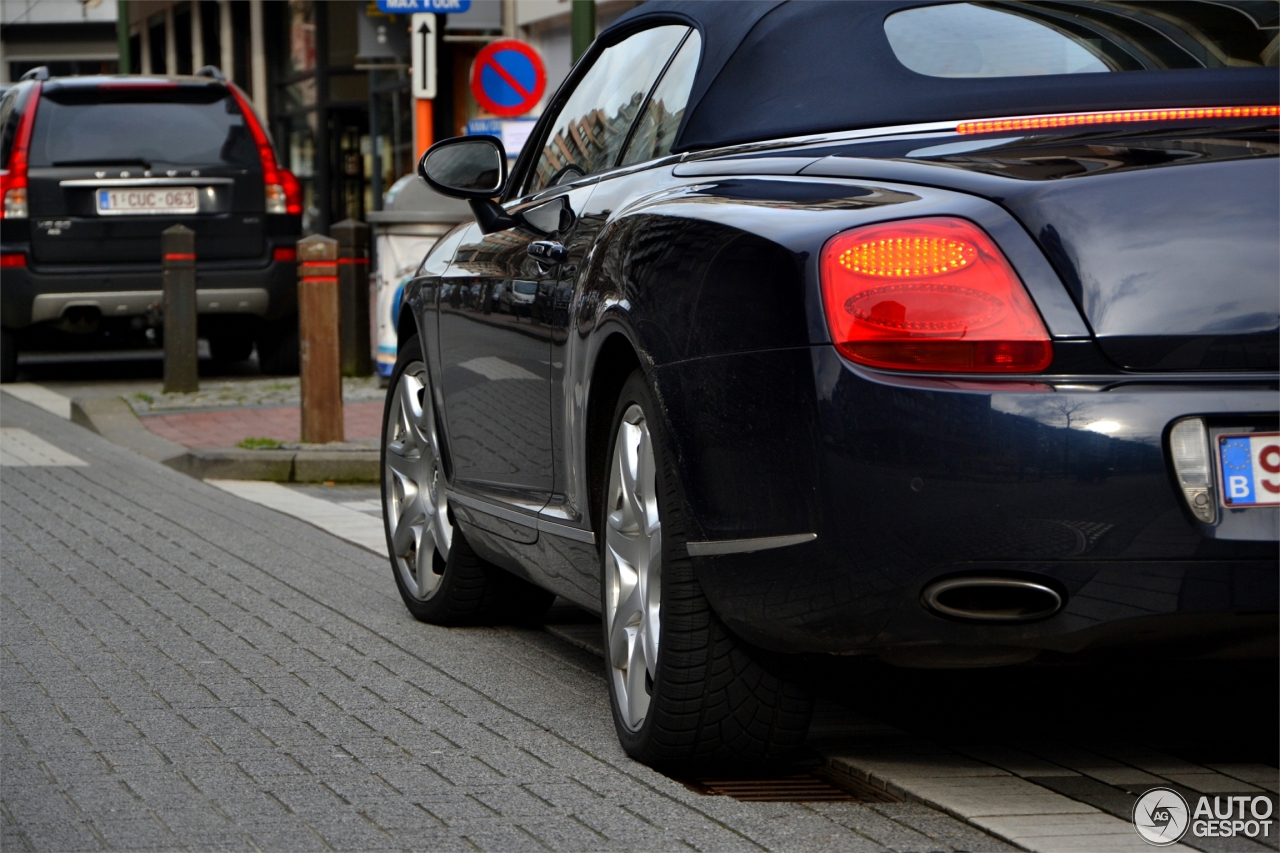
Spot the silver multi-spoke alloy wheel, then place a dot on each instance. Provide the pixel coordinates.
(633, 568)
(417, 512)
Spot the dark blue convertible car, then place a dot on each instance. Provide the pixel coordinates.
(944, 333)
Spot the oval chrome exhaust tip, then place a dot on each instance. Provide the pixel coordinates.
(992, 599)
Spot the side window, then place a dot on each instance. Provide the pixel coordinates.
(657, 127)
(9, 117)
(587, 134)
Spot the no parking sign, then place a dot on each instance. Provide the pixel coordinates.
(508, 78)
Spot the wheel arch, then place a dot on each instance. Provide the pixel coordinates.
(616, 359)
(407, 326)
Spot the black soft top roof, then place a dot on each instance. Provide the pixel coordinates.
(772, 69)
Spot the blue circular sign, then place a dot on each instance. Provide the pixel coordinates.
(508, 78)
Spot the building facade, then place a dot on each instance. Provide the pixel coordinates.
(331, 78)
(67, 36)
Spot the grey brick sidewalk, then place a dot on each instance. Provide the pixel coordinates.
(185, 670)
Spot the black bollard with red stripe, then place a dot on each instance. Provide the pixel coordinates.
(178, 255)
(353, 296)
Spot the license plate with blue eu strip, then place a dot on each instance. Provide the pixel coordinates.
(1250, 467)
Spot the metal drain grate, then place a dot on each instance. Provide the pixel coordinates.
(820, 785)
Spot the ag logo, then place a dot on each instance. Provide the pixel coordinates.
(1161, 816)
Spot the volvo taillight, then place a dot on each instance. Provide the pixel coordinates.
(931, 294)
(13, 178)
(282, 192)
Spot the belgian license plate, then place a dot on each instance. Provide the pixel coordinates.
(144, 200)
(1250, 466)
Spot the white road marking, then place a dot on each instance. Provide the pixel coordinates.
(492, 367)
(38, 395)
(21, 449)
(352, 525)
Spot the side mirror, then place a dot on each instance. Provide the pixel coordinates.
(466, 167)
(473, 168)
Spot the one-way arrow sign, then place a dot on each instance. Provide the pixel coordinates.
(422, 31)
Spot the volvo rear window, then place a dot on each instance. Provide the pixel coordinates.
(148, 127)
(1029, 39)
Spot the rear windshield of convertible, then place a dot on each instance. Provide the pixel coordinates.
(1028, 39)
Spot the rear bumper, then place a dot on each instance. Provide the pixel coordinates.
(31, 295)
(904, 481)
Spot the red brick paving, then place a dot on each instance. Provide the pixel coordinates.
(228, 427)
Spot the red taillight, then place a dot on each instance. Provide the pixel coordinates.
(292, 192)
(930, 295)
(284, 253)
(273, 180)
(17, 259)
(13, 179)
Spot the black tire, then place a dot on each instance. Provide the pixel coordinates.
(230, 347)
(711, 702)
(278, 347)
(8, 355)
(470, 590)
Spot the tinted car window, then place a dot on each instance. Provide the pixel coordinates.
(8, 125)
(980, 40)
(176, 126)
(657, 128)
(588, 133)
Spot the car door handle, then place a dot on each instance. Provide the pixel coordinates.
(549, 251)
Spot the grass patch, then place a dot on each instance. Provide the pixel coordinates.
(259, 444)
(146, 398)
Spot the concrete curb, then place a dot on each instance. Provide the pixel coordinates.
(113, 419)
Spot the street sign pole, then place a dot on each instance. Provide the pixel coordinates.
(422, 39)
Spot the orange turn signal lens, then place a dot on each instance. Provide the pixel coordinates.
(930, 294)
(908, 256)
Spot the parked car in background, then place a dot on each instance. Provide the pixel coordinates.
(944, 334)
(517, 298)
(95, 168)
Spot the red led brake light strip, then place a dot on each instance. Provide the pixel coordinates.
(1114, 117)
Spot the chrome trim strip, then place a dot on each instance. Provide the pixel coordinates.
(566, 532)
(233, 300)
(494, 510)
(144, 182)
(747, 546)
(820, 138)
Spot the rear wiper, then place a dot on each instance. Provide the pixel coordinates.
(124, 161)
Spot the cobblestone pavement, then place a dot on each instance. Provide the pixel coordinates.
(186, 670)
